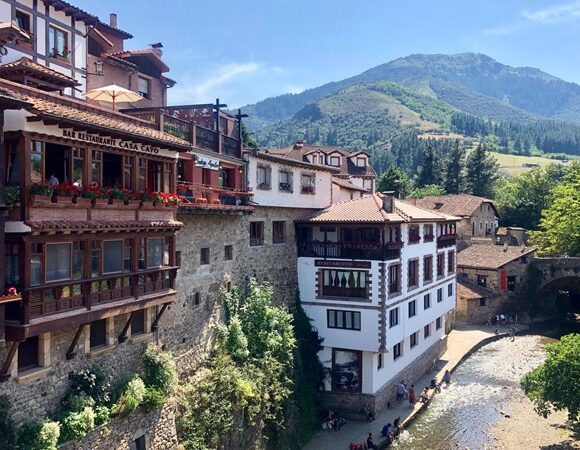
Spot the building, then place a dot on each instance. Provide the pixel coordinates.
(493, 280)
(479, 216)
(377, 276)
(353, 167)
(511, 235)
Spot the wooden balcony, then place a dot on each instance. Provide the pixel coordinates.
(206, 197)
(447, 240)
(350, 250)
(58, 304)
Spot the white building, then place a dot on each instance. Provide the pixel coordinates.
(377, 276)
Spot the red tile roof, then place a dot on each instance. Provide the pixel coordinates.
(369, 209)
(265, 155)
(53, 225)
(347, 184)
(27, 64)
(492, 257)
(463, 205)
(152, 53)
(469, 290)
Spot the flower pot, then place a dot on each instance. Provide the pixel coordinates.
(39, 200)
(134, 203)
(100, 201)
(62, 199)
(81, 201)
(116, 201)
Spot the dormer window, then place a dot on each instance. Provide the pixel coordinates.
(361, 161)
(335, 161)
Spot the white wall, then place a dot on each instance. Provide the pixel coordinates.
(295, 199)
(341, 194)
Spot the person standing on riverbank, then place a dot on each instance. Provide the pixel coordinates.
(412, 396)
(400, 392)
(447, 377)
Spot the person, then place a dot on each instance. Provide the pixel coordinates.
(53, 181)
(513, 334)
(425, 395)
(370, 443)
(339, 422)
(447, 377)
(497, 320)
(367, 413)
(516, 319)
(412, 396)
(78, 183)
(435, 386)
(386, 430)
(496, 332)
(397, 427)
(502, 318)
(488, 322)
(400, 392)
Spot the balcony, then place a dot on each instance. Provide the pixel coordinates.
(447, 240)
(205, 197)
(188, 130)
(350, 250)
(83, 298)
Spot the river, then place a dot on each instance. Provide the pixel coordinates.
(466, 413)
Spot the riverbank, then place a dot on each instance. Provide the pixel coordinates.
(462, 341)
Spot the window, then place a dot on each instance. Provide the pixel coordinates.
(256, 234)
(412, 308)
(511, 283)
(35, 264)
(98, 333)
(204, 256)
(428, 269)
(344, 320)
(229, 252)
(438, 323)
(427, 331)
(361, 161)
(427, 301)
(36, 167)
(394, 279)
(138, 322)
(307, 183)
(482, 301)
(58, 42)
(112, 256)
(413, 273)
(449, 290)
(414, 338)
(414, 234)
(393, 317)
(285, 181)
(28, 354)
(344, 283)
(278, 232)
(97, 166)
(397, 351)
(138, 444)
(154, 252)
(263, 173)
(428, 235)
(441, 265)
(23, 21)
(58, 262)
(439, 295)
(380, 361)
(128, 171)
(481, 280)
(196, 299)
(450, 262)
(143, 85)
(335, 161)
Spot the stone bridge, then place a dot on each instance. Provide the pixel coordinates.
(550, 275)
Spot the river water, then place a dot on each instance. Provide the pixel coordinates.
(462, 416)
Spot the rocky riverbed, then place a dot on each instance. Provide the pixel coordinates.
(484, 407)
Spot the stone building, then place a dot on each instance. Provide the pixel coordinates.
(377, 277)
(479, 217)
(493, 280)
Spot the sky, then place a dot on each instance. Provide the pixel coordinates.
(243, 51)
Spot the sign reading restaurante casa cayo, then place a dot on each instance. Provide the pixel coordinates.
(101, 140)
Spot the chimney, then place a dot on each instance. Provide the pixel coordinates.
(438, 205)
(113, 20)
(299, 143)
(413, 201)
(505, 246)
(388, 201)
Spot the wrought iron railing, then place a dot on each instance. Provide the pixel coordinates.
(350, 250)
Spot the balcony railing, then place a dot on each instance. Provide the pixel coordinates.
(231, 147)
(213, 195)
(60, 297)
(205, 138)
(350, 250)
(446, 240)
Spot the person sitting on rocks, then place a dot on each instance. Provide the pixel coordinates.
(386, 431)
(397, 427)
(365, 411)
(370, 443)
(425, 395)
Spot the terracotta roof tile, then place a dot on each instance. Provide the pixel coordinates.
(150, 52)
(490, 256)
(469, 290)
(25, 63)
(293, 162)
(369, 209)
(462, 205)
(44, 225)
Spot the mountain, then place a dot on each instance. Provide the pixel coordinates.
(472, 83)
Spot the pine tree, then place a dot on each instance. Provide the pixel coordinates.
(482, 172)
(429, 173)
(394, 180)
(454, 165)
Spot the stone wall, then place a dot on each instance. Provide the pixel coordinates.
(350, 405)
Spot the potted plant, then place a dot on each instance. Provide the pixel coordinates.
(41, 193)
(97, 195)
(117, 196)
(133, 199)
(64, 193)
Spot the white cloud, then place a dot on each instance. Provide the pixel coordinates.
(564, 12)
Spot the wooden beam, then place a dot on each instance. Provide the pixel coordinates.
(71, 350)
(155, 324)
(123, 335)
(5, 370)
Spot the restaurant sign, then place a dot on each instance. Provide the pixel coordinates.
(110, 142)
(207, 163)
(342, 264)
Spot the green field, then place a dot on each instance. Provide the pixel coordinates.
(514, 164)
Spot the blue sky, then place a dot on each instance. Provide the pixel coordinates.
(243, 51)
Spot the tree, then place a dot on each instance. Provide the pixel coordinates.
(394, 180)
(454, 165)
(554, 385)
(430, 189)
(560, 223)
(247, 138)
(482, 172)
(429, 173)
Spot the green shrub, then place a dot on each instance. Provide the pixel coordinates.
(7, 427)
(92, 382)
(39, 435)
(102, 414)
(159, 369)
(78, 402)
(154, 397)
(132, 396)
(76, 424)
